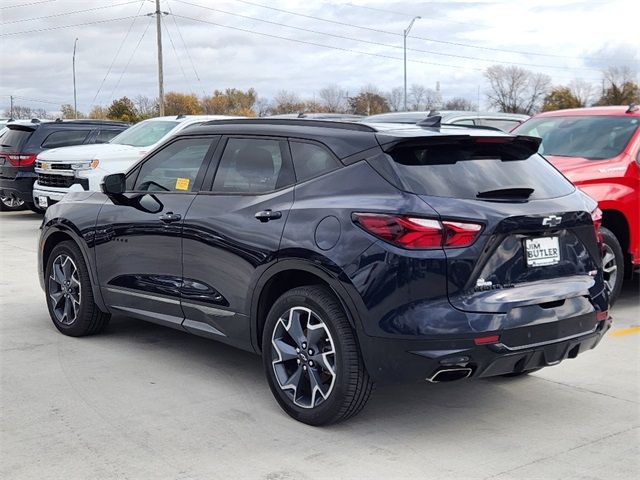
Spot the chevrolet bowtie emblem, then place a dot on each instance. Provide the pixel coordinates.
(551, 221)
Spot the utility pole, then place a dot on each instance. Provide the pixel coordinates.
(160, 71)
(405, 33)
(75, 99)
(10, 106)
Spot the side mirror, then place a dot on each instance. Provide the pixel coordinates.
(114, 184)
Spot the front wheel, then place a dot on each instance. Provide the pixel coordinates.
(612, 264)
(311, 358)
(69, 293)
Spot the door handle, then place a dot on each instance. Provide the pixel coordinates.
(170, 217)
(266, 215)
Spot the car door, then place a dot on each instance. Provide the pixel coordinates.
(232, 233)
(138, 240)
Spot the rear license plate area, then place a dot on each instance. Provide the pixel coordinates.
(542, 251)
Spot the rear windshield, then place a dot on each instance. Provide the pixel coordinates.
(465, 171)
(145, 133)
(13, 139)
(594, 138)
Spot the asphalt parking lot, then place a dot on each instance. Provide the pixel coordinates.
(142, 401)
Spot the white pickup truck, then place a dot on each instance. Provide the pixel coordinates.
(82, 168)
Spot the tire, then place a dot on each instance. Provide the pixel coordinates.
(35, 208)
(612, 264)
(10, 203)
(343, 384)
(521, 374)
(69, 293)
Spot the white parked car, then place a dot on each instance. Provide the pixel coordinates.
(82, 168)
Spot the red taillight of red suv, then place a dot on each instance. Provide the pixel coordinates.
(418, 233)
(596, 216)
(21, 160)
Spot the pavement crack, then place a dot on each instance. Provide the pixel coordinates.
(582, 389)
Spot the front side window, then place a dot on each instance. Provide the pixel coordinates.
(145, 133)
(172, 169)
(310, 160)
(65, 138)
(104, 136)
(594, 138)
(252, 166)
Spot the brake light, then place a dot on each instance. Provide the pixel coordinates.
(596, 217)
(600, 316)
(418, 233)
(486, 340)
(21, 160)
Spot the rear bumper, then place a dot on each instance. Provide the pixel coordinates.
(395, 361)
(18, 181)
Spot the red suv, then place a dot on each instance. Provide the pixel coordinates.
(598, 149)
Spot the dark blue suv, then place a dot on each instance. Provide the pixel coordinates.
(345, 254)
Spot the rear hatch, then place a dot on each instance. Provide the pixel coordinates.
(537, 246)
(12, 141)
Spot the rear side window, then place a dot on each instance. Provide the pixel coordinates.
(14, 139)
(252, 166)
(464, 170)
(104, 136)
(310, 160)
(594, 138)
(65, 138)
(464, 121)
(502, 124)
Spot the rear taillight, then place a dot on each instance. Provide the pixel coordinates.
(596, 217)
(21, 160)
(418, 233)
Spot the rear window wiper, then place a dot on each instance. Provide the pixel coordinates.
(511, 192)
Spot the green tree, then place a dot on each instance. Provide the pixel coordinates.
(98, 112)
(181, 104)
(123, 109)
(368, 103)
(559, 98)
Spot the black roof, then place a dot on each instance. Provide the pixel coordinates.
(343, 138)
(35, 123)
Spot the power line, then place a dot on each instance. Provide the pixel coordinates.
(26, 4)
(305, 42)
(69, 26)
(29, 99)
(118, 52)
(457, 44)
(184, 44)
(68, 13)
(175, 51)
(130, 58)
(370, 42)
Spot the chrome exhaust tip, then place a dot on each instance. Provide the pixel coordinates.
(450, 375)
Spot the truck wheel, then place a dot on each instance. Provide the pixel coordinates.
(311, 358)
(612, 263)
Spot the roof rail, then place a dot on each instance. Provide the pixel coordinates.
(475, 127)
(632, 108)
(298, 122)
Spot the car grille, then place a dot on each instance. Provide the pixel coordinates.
(52, 180)
(55, 166)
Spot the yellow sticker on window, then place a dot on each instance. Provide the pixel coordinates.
(182, 184)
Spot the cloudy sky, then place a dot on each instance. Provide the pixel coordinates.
(301, 46)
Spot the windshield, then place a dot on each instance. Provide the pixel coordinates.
(144, 133)
(595, 138)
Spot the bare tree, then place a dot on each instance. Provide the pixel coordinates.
(147, 107)
(26, 113)
(262, 107)
(333, 98)
(516, 90)
(417, 94)
(395, 98)
(583, 91)
(287, 102)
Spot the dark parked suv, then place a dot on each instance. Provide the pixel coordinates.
(21, 143)
(344, 254)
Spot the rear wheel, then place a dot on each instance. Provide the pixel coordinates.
(69, 293)
(612, 263)
(10, 203)
(311, 358)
